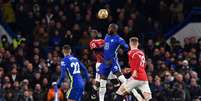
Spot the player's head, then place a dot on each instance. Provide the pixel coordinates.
(134, 42)
(113, 28)
(66, 49)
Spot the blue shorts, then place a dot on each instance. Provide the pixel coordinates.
(76, 89)
(109, 66)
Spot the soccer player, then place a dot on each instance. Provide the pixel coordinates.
(97, 46)
(139, 76)
(71, 65)
(110, 62)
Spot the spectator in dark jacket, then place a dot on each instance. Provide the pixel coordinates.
(26, 96)
(38, 95)
(195, 89)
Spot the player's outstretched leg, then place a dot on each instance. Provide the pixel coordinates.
(121, 92)
(102, 89)
(97, 77)
(120, 76)
(137, 95)
(147, 96)
(146, 92)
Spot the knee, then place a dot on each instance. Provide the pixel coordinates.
(118, 73)
(147, 96)
(122, 90)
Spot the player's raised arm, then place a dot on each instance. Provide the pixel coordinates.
(63, 73)
(122, 42)
(97, 44)
(84, 70)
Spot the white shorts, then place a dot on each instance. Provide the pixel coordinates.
(97, 78)
(141, 85)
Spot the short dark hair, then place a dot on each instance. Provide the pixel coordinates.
(113, 25)
(66, 47)
(134, 40)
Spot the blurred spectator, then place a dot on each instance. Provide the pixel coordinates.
(51, 94)
(1, 76)
(31, 63)
(8, 12)
(67, 38)
(38, 95)
(29, 73)
(157, 90)
(194, 89)
(176, 9)
(7, 89)
(37, 78)
(4, 42)
(26, 96)
(15, 76)
(56, 74)
(16, 91)
(65, 87)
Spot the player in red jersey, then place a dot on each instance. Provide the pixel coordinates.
(139, 76)
(97, 45)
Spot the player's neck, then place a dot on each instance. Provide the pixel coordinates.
(132, 48)
(66, 55)
(113, 34)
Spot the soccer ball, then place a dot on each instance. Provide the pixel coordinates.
(103, 14)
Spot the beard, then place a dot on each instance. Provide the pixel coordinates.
(110, 32)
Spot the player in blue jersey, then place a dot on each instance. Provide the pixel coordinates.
(110, 63)
(71, 66)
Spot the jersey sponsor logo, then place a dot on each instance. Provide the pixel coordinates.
(112, 40)
(115, 67)
(106, 47)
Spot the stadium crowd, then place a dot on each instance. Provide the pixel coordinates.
(27, 71)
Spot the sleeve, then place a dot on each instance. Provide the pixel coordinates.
(97, 44)
(85, 72)
(63, 73)
(123, 43)
(92, 44)
(135, 61)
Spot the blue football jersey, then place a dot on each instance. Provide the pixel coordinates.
(72, 66)
(112, 43)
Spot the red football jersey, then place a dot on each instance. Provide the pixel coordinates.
(98, 43)
(137, 62)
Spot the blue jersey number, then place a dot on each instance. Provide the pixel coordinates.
(76, 67)
(106, 47)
